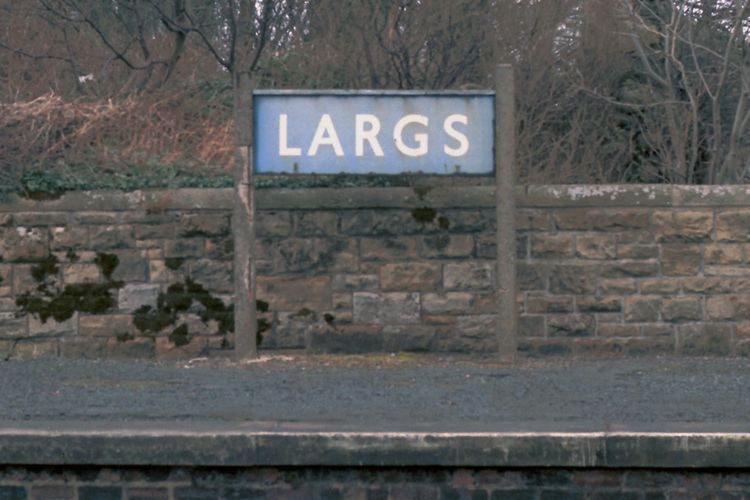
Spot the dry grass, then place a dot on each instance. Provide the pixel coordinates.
(132, 130)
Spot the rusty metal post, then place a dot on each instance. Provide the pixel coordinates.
(505, 206)
(243, 221)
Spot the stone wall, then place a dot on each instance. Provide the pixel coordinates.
(634, 269)
(97, 275)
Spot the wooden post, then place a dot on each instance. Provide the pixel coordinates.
(505, 175)
(243, 221)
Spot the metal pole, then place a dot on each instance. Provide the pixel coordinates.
(505, 206)
(243, 222)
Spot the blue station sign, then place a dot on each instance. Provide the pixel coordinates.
(383, 132)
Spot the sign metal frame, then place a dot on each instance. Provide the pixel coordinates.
(504, 163)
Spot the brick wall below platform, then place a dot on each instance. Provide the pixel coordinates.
(325, 483)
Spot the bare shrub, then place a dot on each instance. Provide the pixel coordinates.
(129, 130)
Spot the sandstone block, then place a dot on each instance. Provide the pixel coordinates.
(681, 309)
(536, 348)
(400, 338)
(571, 325)
(660, 286)
(536, 220)
(573, 219)
(658, 330)
(642, 309)
(599, 304)
(106, 325)
(705, 339)
(531, 276)
(682, 225)
(70, 237)
(219, 248)
(471, 221)
(733, 271)
(622, 286)
(681, 260)
(637, 251)
(709, 285)
(154, 231)
(81, 273)
(468, 275)
(23, 244)
(90, 218)
(486, 246)
(548, 304)
(573, 279)
(35, 349)
(469, 334)
(139, 348)
(531, 326)
(5, 280)
(636, 237)
(551, 246)
(389, 248)
(728, 307)
(447, 303)
(158, 272)
(618, 330)
(132, 297)
(132, 266)
(733, 225)
(347, 339)
(294, 293)
(447, 245)
(165, 349)
(386, 308)
(12, 327)
(52, 328)
(630, 269)
(355, 282)
(410, 276)
(380, 223)
(316, 223)
(273, 224)
(203, 225)
(315, 255)
(341, 301)
(111, 237)
(619, 219)
(184, 248)
(86, 348)
(31, 219)
(595, 247)
(214, 276)
(23, 281)
(724, 253)
(289, 331)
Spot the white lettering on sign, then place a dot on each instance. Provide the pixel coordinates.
(463, 142)
(366, 131)
(370, 135)
(422, 139)
(325, 135)
(285, 150)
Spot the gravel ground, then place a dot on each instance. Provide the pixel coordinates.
(380, 389)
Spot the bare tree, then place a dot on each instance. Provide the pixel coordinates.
(692, 89)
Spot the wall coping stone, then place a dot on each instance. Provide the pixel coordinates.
(255, 444)
(531, 196)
